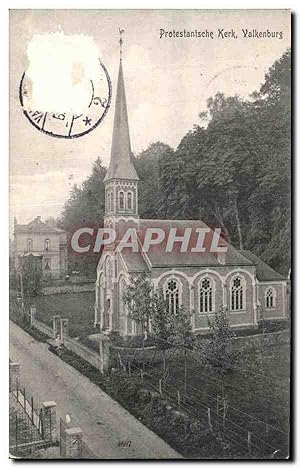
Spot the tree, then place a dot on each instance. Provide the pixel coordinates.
(87, 202)
(147, 165)
(161, 322)
(85, 208)
(229, 170)
(180, 195)
(138, 301)
(182, 336)
(30, 275)
(216, 352)
(270, 234)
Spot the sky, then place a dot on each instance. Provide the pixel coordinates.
(168, 81)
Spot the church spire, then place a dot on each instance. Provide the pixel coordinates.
(121, 165)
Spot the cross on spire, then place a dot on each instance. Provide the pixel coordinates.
(121, 31)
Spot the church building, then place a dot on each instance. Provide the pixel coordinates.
(200, 284)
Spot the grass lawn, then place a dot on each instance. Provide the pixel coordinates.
(78, 307)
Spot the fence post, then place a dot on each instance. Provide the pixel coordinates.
(249, 441)
(49, 420)
(142, 374)
(224, 411)
(267, 431)
(32, 314)
(14, 375)
(16, 431)
(32, 409)
(64, 328)
(24, 400)
(209, 419)
(159, 386)
(129, 368)
(73, 442)
(178, 399)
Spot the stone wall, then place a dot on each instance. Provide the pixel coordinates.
(43, 328)
(98, 360)
(84, 352)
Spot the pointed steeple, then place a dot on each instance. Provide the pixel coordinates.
(121, 166)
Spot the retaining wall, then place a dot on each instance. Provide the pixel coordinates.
(82, 351)
(48, 331)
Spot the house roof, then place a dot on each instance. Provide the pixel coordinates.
(37, 226)
(121, 165)
(263, 271)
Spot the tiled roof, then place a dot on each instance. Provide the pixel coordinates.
(159, 258)
(263, 271)
(134, 261)
(37, 226)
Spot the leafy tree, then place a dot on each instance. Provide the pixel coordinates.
(270, 204)
(147, 165)
(87, 202)
(161, 322)
(180, 196)
(216, 352)
(85, 207)
(30, 275)
(138, 301)
(231, 158)
(182, 336)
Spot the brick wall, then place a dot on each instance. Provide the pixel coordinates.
(280, 307)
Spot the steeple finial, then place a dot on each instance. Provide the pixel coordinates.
(121, 31)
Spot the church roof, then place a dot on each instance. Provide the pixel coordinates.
(157, 257)
(160, 258)
(263, 271)
(37, 226)
(121, 165)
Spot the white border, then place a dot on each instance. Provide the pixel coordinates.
(211, 4)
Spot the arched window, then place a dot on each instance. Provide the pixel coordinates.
(270, 298)
(47, 244)
(237, 294)
(121, 200)
(29, 245)
(206, 296)
(172, 295)
(47, 263)
(129, 200)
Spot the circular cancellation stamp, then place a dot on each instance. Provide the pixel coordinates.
(70, 125)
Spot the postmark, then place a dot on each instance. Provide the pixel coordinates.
(66, 124)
